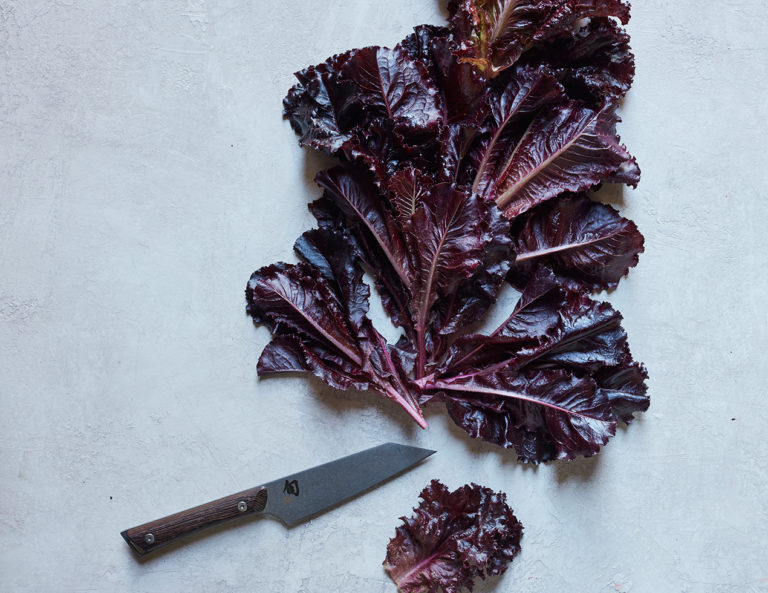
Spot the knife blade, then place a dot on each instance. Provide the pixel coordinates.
(292, 499)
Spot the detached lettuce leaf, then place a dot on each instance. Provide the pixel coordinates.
(452, 540)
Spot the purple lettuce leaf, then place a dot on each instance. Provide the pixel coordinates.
(493, 34)
(625, 387)
(374, 104)
(534, 318)
(462, 88)
(527, 90)
(391, 84)
(282, 355)
(588, 338)
(352, 201)
(565, 148)
(297, 299)
(456, 148)
(419, 44)
(568, 16)
(313, 333)
(448, 234)
(384, 148)
(556, 341)
(389, 286)
(548, 414)
(594, 64)
(459, 85)
(322, 107)
(543, 415)
(452, 540)
(587, 244)
(352, 190)
(406, 190)
(475, 295)
(335, 254)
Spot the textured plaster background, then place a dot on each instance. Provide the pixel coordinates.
(146, 171)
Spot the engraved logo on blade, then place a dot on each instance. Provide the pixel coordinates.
(291, 489)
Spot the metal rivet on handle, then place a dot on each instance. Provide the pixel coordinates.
(242, 506)
(149, 538)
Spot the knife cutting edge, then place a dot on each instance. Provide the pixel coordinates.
(291, 499)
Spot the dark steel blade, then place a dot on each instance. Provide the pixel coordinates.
(298, 497)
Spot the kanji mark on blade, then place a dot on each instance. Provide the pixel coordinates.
(291, 487)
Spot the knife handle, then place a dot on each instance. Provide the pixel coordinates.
(155, 534)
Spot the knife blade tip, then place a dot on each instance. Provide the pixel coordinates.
(420, 452)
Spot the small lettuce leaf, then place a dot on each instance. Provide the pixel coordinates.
(453, 539)
(407, 188)
(585, 243)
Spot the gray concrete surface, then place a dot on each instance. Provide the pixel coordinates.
(146, 171)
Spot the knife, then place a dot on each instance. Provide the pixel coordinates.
(291, 499)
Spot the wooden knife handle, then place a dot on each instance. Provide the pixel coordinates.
(150, 536)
